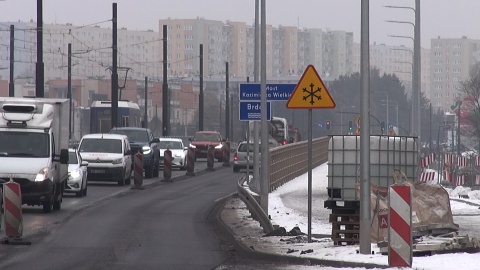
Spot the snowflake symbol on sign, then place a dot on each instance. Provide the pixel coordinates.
(311, 93)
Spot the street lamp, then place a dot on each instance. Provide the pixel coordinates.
(396, 103)
(387, 100)
(416, 64)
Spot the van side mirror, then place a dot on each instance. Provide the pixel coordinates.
(129, 152)
(155, 140)
(63, 156)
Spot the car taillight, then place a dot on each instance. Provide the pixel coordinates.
(235, 157)
(284, 142)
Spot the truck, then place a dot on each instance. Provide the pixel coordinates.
(34, 136)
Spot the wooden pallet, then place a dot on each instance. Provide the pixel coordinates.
(345, 226)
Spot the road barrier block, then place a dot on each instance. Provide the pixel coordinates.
(226, 154)
(12, 203)
(167, 165)
(137, 170)
(400, 241)
(210, 158)
(191, 161)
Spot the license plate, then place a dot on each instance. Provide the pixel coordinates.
(97, 171)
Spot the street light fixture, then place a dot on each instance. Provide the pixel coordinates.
(416, 64)
(387, 100)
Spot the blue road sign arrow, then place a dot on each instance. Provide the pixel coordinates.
(275, 92)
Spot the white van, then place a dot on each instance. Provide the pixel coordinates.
(109, 157)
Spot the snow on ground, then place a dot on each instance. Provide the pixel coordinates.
(291, 215)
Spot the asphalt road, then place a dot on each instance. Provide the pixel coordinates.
(164, 226)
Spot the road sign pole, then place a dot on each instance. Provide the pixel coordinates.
(309, 170)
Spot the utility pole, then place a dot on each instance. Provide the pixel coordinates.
(416, 72)
(145, 114)
(365, 219)
(114, 76)
(458, 129)
(69, 82)
(165, 93)
(39, 66)
(11, 89)
(430, 139)
(227, 103)
(200, 98)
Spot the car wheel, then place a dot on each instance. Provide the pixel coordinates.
(48, 206)
(149, 171)
(57, 204)
(85, 190)
(121, 181)
(128, 181)
(156, 170)
(79, 193)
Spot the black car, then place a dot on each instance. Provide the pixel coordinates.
(141, 139)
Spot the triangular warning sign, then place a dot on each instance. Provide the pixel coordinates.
(310, 92)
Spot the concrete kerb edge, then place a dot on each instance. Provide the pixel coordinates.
(247, 252)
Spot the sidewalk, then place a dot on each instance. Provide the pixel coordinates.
(248, 238)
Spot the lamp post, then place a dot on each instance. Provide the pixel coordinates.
(416, 65)
(396, 106)
(387, 100)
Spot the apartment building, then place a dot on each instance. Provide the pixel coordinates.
(397, 60)
(451, 60)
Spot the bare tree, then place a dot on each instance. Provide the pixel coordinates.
(470, 105)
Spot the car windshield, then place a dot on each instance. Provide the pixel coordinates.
(170, 145)
(206, 137)
(101, 145)
(72, 158)
(132, 134)
(24, 144)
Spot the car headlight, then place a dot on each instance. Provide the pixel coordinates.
(146, 150)
(219, 146)
(74, 174)
(192, 146)
(42, 175)
(117, 161)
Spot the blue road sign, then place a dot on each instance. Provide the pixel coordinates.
(275, 92)
(251, 111)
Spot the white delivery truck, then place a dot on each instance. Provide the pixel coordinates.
(34, 148)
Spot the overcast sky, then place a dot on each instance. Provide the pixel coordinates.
(445, 18)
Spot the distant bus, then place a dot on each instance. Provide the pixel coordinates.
(278, 130)
(101, 120)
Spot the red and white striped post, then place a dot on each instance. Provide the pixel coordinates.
(226, 154)
(12, 203)
(137, 170)
(210, 158)
(167, 165)
(400, 226)
(191, 161)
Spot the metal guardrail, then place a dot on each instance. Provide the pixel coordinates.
(290, 161)
(248, 197)
(286, 163)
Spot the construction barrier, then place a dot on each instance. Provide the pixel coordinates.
(191, 161)
(226, 154)
(400, 244)
(12, 203)
(167, 165)
(210, 157)
(138, 170)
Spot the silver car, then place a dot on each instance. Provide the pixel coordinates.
(240, 156)
(77, 174)
(179, 152)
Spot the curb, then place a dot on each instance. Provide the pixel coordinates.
(246, 252)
